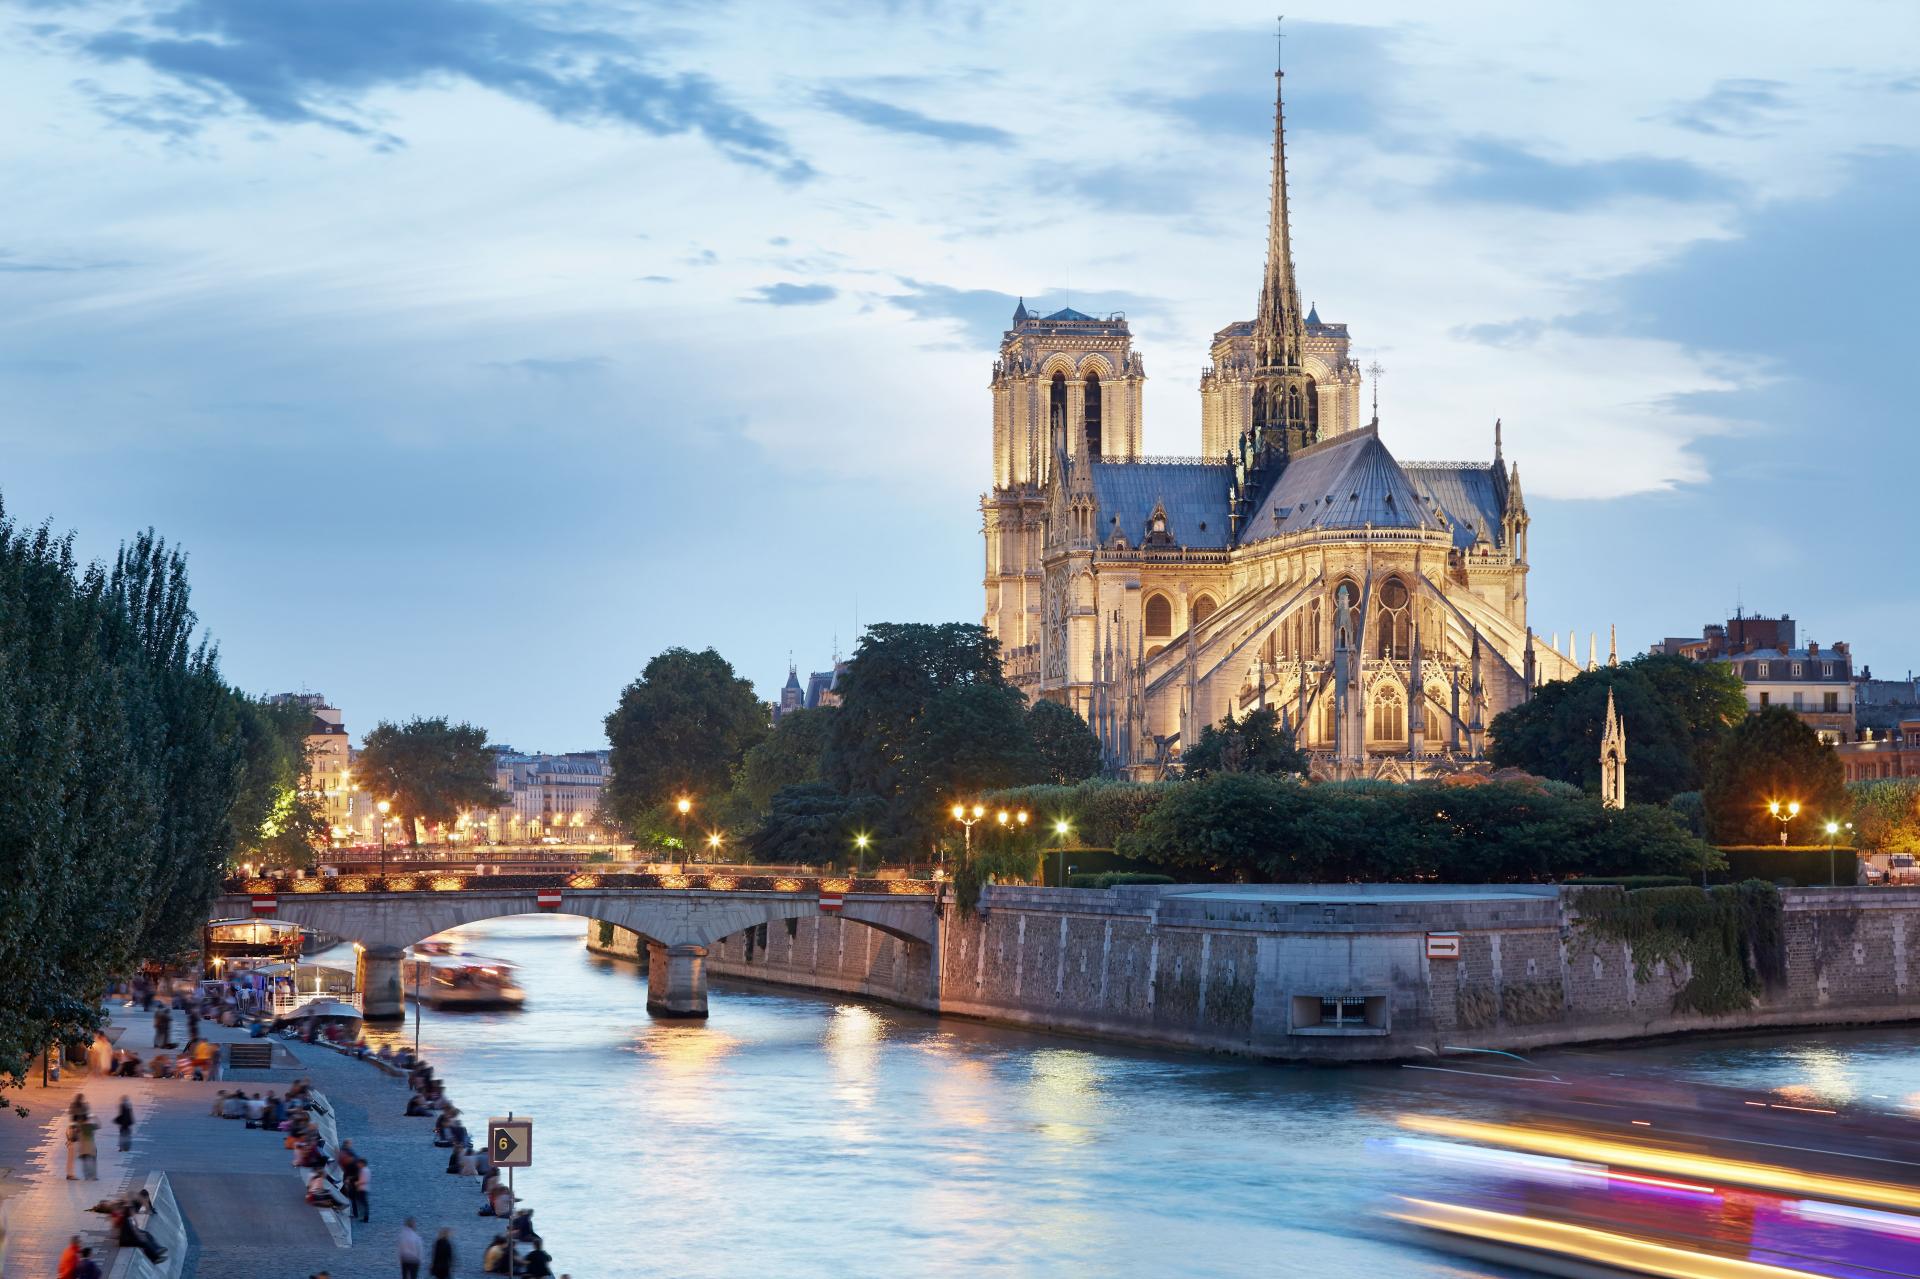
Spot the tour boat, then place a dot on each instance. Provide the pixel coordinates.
(441, 977)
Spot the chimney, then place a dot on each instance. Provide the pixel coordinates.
(1813, 649)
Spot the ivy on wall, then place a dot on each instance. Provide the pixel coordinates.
(1730, 938)
(606, 932)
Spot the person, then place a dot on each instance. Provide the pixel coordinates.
(537, 1264)
(124, 1122)
(409, 1251)
(128, 1235)
(442, 1267)
(163, 1027)
(73, 1146)
(88, 1267)
(89, 1153)
(219, 1102)
(417, 1105)
(235, 1106)
(495, 1262)
(193, 1025)
(70, 1258)
(206, 1060)
(359, 1189)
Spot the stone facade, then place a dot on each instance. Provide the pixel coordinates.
(1331, 974)
(1379, 608)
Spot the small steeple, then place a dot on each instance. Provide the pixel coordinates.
(1313, 315)
(1613, 646)
(1613, 758)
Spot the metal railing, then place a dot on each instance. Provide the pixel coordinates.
(284, 1002)
(437, 882)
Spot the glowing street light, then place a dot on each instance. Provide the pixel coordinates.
(1784, 813)
(385, 807)
(967, 817)
(714, 840)
(860, 843)
(1061, 829)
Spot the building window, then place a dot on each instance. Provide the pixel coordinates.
(1389, 717)
(1799, 700)
(1826, 670)
(1762, 667)
(1395, 620)
(1203, 608)
(1159, 616)
(1831, 703)
(1766, 699)
(1092, 406)
(1798, 671)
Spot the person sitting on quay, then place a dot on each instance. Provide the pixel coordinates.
(219, 1104)
(274, 1114)
(297, 1094)
(160, 1066)
(128, 1235)
(256, 1106)
(495, 1262)
(235, 1106)
(417, 1106)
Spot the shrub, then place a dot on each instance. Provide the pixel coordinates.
(1107, 879)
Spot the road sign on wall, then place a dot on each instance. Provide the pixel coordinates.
(510, 1142)
(1443, 945)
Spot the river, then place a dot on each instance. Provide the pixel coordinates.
(793, 1135)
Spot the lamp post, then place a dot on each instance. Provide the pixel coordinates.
(1833, 881)
(385, 806)
(714, 840)
(860, 853)
(1061, 829)
(684, 806)
(967, 817)
(1784, 813)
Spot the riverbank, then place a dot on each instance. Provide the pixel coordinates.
(237, 1188)
(1332, 973)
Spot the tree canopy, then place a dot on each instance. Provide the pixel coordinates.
(121, 755)
(430, 771)
(1255, 743)
(1066, 748)
(1676, 711)
(1772, 755)
(812, 824)
(679, 730)
(788, 756)
(277, 819)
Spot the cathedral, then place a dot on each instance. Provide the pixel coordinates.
(1379, 607)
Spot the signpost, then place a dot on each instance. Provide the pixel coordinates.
(510, 1146)
(1443, 945)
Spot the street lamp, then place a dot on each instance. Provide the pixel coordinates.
(714, 840)
(385, 807)
(967, 817)
(860, 850)
(1784, 813)
(684, 806)
(1061, 829)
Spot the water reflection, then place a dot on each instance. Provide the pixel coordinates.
(814, 1136)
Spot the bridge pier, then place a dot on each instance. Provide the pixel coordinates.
(378, 976)
(676, 980)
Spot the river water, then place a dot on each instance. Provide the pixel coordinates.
(793, 1135)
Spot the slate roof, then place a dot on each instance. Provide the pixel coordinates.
(1067, 313)
(1193, 493)
(1468, 494)
(1347, 482)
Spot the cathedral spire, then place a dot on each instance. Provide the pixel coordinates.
(1283, 407)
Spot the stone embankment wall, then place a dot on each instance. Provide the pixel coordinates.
(1340, 973)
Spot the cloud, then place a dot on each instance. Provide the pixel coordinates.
(1333, 86)
(1732, 108)
(315, 61)
(13, 264)
(547, 369)
(1133, 187)
(1490, 171)
(1512, 333)
(784, 294)
(898, 119)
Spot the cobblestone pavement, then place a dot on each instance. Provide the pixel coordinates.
(253, 1221)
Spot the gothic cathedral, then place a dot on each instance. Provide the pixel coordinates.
(1378, 607)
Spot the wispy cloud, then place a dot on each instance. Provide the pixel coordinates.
(898, 119)
(553, 370)
(784, 294)
(315, 61)
(1741, 108)
(1491, 171)
(13, 264)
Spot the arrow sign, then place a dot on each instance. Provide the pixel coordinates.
(510, 1142)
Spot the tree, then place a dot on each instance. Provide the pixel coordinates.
(1256, 743)
(811, 824)
(430, 770)
(925, 714)
(277, 819)
(1886, 814)
(1067, 749)
(679, 730)
(1773, 756)
(788, 756)
(1675, 710)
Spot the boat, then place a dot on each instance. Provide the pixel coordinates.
(440, 977)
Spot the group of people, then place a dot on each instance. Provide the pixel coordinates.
(518, 1248)
(124, 1231)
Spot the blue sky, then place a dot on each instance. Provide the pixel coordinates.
(477, 351)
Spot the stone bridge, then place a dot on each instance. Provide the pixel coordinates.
(680, 916)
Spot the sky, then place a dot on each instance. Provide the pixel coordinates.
(477, 351)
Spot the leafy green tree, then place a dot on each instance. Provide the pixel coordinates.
(788, 756)
(1675, 710)
(1770, 756)
(430, 770)
(1067, 749)
(679, 730)
(1886, 814)
(1255, 743)
(277, 818)
(811, 824)
(925, 715)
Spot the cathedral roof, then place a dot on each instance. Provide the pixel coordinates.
(1350, 481)
(1068, 313)
(1470, 496)
(1193, 494)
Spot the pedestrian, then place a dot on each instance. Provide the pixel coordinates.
(88, 1267)
(537, 1264)
(73, 1146)
(357, 1190)
(442, 1267)
(409, 1251)
(89, 1153)
(193, 1025)
(124, 1122)
(70, 1259)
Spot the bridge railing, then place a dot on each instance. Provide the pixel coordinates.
(457, 882)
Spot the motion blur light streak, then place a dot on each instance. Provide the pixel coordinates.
(1586, 1244)
(1895, 1223)
(1679, 1163)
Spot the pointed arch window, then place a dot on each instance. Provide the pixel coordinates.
(1395, 619)
(1057, 408)
(1203, 608)
(1159, 617)
(1093, 414)
(1389, 715)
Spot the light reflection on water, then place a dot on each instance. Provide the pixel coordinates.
(803, 1136)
